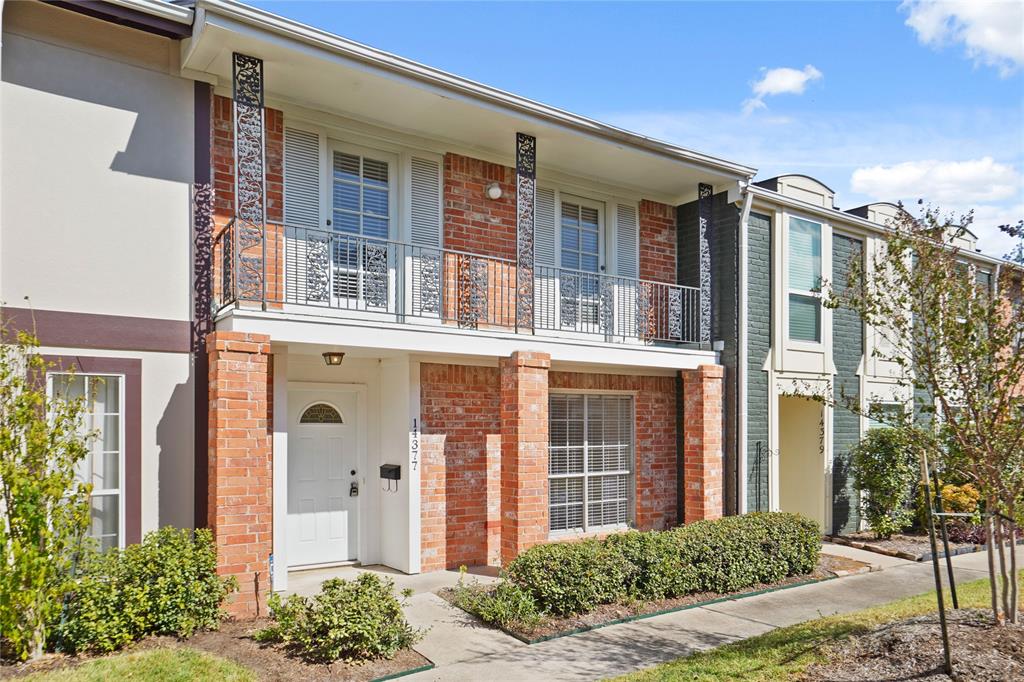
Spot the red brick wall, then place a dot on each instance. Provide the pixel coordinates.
(222, 158)
(657, 242)
(702, 442)
(461, 418)
(241, 475)
(655, 469)
(472, 222)
(524, 452)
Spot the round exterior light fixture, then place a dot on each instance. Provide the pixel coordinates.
(333, 358)
(494, 191)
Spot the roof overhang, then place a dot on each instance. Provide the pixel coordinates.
(151, 16)
(320, 71)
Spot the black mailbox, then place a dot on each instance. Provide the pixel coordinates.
(391, 472)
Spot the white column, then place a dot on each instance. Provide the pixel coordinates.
(280, 450)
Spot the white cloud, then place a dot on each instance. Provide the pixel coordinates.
(831, 147)
(992, 31)
(945, 182)
(780, 81)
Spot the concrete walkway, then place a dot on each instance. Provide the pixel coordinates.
(464, 650)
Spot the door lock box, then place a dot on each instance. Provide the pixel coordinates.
(353, 489)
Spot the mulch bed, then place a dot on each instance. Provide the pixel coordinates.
(829, 566)
(912, 649)
(913, 547)
(268, 661)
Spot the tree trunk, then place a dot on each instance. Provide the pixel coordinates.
(993, 579)
(1014, 596)
(1000, 525)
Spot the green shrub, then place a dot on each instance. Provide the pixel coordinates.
(571, 577)
(885, 467)
(168, 585)
(656, 570)
(736, 552)
(506, 604)
(724, 555)
(351, 620)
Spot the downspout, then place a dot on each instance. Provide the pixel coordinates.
(741, 372)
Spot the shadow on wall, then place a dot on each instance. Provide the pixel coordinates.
(159, 143)
(176, 462)
(844, 510)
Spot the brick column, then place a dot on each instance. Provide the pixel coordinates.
(702, 442)
(240, 511)
(524, 452)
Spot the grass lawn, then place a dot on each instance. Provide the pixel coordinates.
(784, 653)
(166, 665)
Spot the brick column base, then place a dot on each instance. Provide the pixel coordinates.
(702, 442)
(240, 510)
(524, 452)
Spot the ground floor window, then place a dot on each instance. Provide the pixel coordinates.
(103, 466)
(590, 461)
(882, 415)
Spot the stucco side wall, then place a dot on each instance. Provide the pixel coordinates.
(97, 164)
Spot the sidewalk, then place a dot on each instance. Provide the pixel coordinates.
(463, 650)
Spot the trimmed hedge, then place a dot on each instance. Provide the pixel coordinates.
(723, 556)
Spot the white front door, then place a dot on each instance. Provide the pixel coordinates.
(323, 475)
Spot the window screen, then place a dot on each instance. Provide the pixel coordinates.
(804, 280)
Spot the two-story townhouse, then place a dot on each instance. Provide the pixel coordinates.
(795, 451)
(340, 306)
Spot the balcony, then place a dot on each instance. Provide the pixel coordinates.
(301, 269)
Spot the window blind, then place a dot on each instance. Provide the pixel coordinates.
(804, 255)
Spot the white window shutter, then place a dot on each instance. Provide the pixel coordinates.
(627, 240)
(545, 255)
(545, 227)
(301, 178)
(425, 209)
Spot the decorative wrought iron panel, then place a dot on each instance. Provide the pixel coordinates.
(250, 180)
(472, 290)
(704, 216)
(526, 190)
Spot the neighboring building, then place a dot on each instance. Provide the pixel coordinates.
(797, 449)
(549, 327)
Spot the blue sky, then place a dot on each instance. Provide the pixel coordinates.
(879, 100)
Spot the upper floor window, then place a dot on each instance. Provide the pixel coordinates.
(362, 195)
(581, 237)
(104, 409)
(804, 284)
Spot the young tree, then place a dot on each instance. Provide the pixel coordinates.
(956, 338)
(44, 509)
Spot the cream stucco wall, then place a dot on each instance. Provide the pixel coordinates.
(801, 460)
(97, 164)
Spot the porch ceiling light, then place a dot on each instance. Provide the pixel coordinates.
(494, 191)
(333, 358)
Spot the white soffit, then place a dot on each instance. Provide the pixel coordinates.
(326, 73)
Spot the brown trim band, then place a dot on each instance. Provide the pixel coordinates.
(109, 332)
(125, 16)
(131, 485)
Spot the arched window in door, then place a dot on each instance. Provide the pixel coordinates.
(321, 413)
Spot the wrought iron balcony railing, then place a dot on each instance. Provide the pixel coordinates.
(280, 266)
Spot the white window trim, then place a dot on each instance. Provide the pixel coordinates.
(799, 344)
(120, 491)
(395, 219)
(603, 229)
(631, 474)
